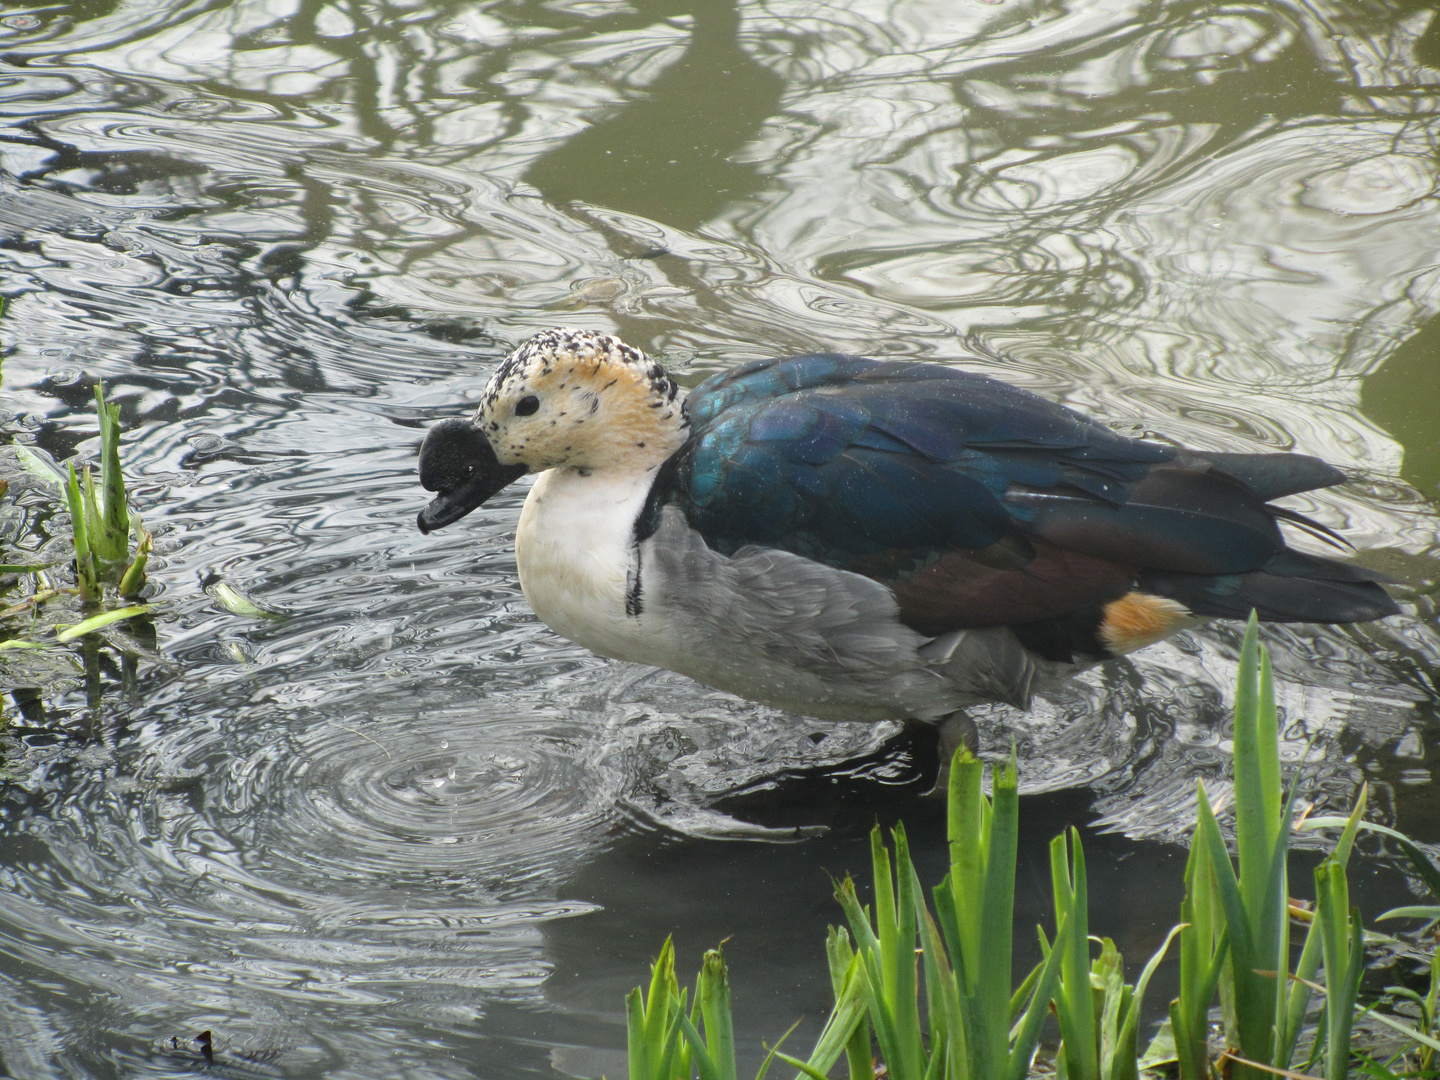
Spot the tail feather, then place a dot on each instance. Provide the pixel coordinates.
(1313, 527)
(1292, 587)
(1272, 476)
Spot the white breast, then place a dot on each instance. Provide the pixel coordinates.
(575, 550)
(764, 624)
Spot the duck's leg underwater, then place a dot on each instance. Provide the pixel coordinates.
(953, 732)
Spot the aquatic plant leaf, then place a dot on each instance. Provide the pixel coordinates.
(1420, 911)
(96, 622)
(845, 1030)
(237, 603)
(1342, 941)
(80, 539)
(133, 580)
(1161, 1050)
(112, 480)
(39, 466)
(1422, 864)
(1405, 1029)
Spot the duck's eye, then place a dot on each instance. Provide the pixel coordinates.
(527, 405)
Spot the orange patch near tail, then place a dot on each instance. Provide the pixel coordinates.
(1138, 619)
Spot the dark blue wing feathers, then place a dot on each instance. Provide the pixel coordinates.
(885, 468)
(841, 458)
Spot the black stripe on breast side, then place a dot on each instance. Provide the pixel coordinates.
(634, 602)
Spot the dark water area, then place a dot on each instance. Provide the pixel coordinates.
(404, 830)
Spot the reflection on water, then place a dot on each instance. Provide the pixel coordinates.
(1403, 397)
(405, 830)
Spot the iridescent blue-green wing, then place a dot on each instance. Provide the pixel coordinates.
(979, 503)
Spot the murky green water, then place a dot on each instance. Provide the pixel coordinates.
(406, 831)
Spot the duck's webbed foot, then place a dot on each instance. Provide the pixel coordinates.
(954, 731)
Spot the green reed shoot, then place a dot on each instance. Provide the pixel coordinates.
(1204, 947)
(1342, 941)
(886, 953)
(665, 1041)
(1098, 1012)
(1255, 904)
(1234, 940)
(977, 1026)
(845, 980)
(975, 904)
(101, 520)
(656, 1050)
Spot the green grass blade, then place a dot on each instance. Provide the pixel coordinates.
(700, 1054)
(674, 1058)
(40, 467)
(85, 576)
(992, 980)
(947, 1024)
(849, 993)
(94, 519)
(1346, 842)
(965, 829)
(770, 1054)
(1075, 1000)
(886, 930)
(635, 1037)
(1253, 995)
(1272, 939)
(116, 518)
(663, 988)
(1429, 912)
(805, 1067)
(1407, 1030)
(1189, 1011)
(1297, 1003)
(1027, 985)
(948, 920)
(881, 1018)
(133, 580)
(855, 915)
(1223, 878)
(1427, 871)
(96, 622)
(845, 1030)
(1108, 971)
(1256, 800)
(1027, 1037)
(839, 956)
(714, 993)
(1260, 934)
(902, 978)
(1267, 740)
(1343, 943)
(1130, 1022)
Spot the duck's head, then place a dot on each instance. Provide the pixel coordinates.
(564, 399)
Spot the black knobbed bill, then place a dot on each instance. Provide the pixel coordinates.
(457, 462)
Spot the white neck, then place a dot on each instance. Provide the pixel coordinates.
(574, 547)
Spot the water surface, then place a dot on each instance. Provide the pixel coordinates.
(406, 831)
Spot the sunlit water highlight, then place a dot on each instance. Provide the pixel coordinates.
(402, 829)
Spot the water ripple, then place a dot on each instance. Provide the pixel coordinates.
(342, 837)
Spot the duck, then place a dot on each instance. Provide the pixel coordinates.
(857, 539)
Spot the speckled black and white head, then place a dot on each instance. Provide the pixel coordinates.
(580, 399)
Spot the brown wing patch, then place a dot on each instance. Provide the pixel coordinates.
(963, 589)
(1139, 619)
